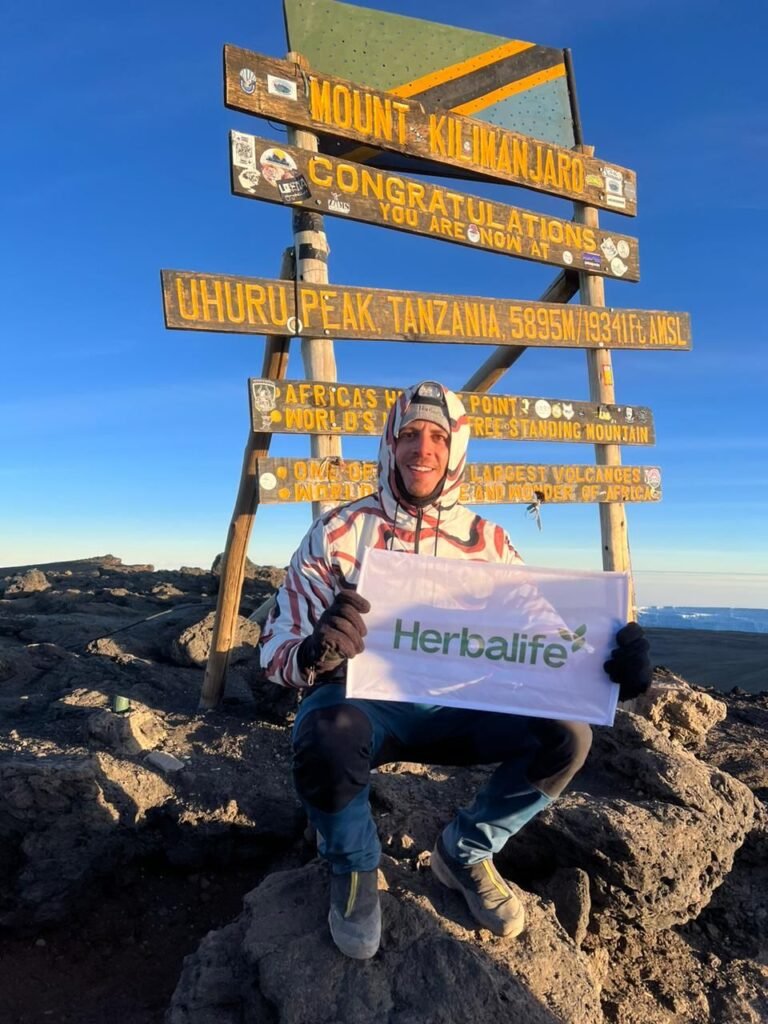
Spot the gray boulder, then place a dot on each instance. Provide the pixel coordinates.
(127, 733)
(680, 712)
(64, 821)
(192, 646)
(278, 962)
(33, 581)
(655, 829)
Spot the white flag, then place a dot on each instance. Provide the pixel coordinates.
(512, 638)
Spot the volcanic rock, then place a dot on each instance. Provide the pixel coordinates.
(680, 712)
(646, 884)
(31, 582)
(193, 645)
(433, 965)
(129, 733)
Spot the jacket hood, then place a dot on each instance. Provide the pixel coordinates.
(389, 491)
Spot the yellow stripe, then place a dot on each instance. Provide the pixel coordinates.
(352, 894)
(491, 874)
(510, 89)
(480, 60)
(363, 153)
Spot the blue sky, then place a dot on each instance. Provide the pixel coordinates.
(118, 435)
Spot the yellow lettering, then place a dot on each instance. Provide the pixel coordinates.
(341, 101)
(327, 310)
(457, 324)
(348, 318)
(187, 314)
(372, 183)
(309, 302)
(234, 317)
(364, 316)
(395, 190)
(362, 114)
(442, 309)
(577, 174)
(320, 100)
(410, 318)
(346, 178)
(488, 149)
(503, 161)
(492, 326)
(396, 301)
(472, 315)
(519, 158)
(255, 298)
(416, 195)
(401, 109)
(436, 139)
(550, 171)
(426, 316)
(382, 118)
(215, 301)
(318, 164)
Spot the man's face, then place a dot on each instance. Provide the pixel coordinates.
(421, 455)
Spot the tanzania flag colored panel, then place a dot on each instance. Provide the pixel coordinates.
(507, 82)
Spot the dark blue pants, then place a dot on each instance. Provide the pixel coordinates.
(337, 741)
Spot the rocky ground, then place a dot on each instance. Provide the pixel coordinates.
(131, 840)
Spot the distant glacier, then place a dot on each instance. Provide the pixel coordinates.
(742, 620)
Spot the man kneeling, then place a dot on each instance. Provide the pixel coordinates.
(318, 624)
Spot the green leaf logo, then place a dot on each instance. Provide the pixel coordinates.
(578, 636)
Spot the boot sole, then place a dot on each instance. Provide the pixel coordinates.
(508, 930)
(349, 946)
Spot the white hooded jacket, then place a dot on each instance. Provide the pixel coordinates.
(328, 558)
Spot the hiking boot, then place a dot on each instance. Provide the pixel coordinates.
(355, 914)
(488, 896)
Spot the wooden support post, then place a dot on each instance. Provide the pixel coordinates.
(224, 636)
(312, 265)
(562, 289)
(613, 518)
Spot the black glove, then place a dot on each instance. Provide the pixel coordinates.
(338, 634)
(629, 664)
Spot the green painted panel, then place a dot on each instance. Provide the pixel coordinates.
(385, 51)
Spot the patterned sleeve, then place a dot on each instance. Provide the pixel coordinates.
(510, 556)
(308, 589)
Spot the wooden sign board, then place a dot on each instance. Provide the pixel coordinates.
(253, 305)
(284, 174)
(484, 483)
(280, 90)
(312, 407)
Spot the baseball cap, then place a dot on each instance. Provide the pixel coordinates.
(427, 403)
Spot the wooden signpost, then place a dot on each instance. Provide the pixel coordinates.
(313, 181)
(280, 91)
(484, 483)
(420, 120)
(315, 407)
(253, 305)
